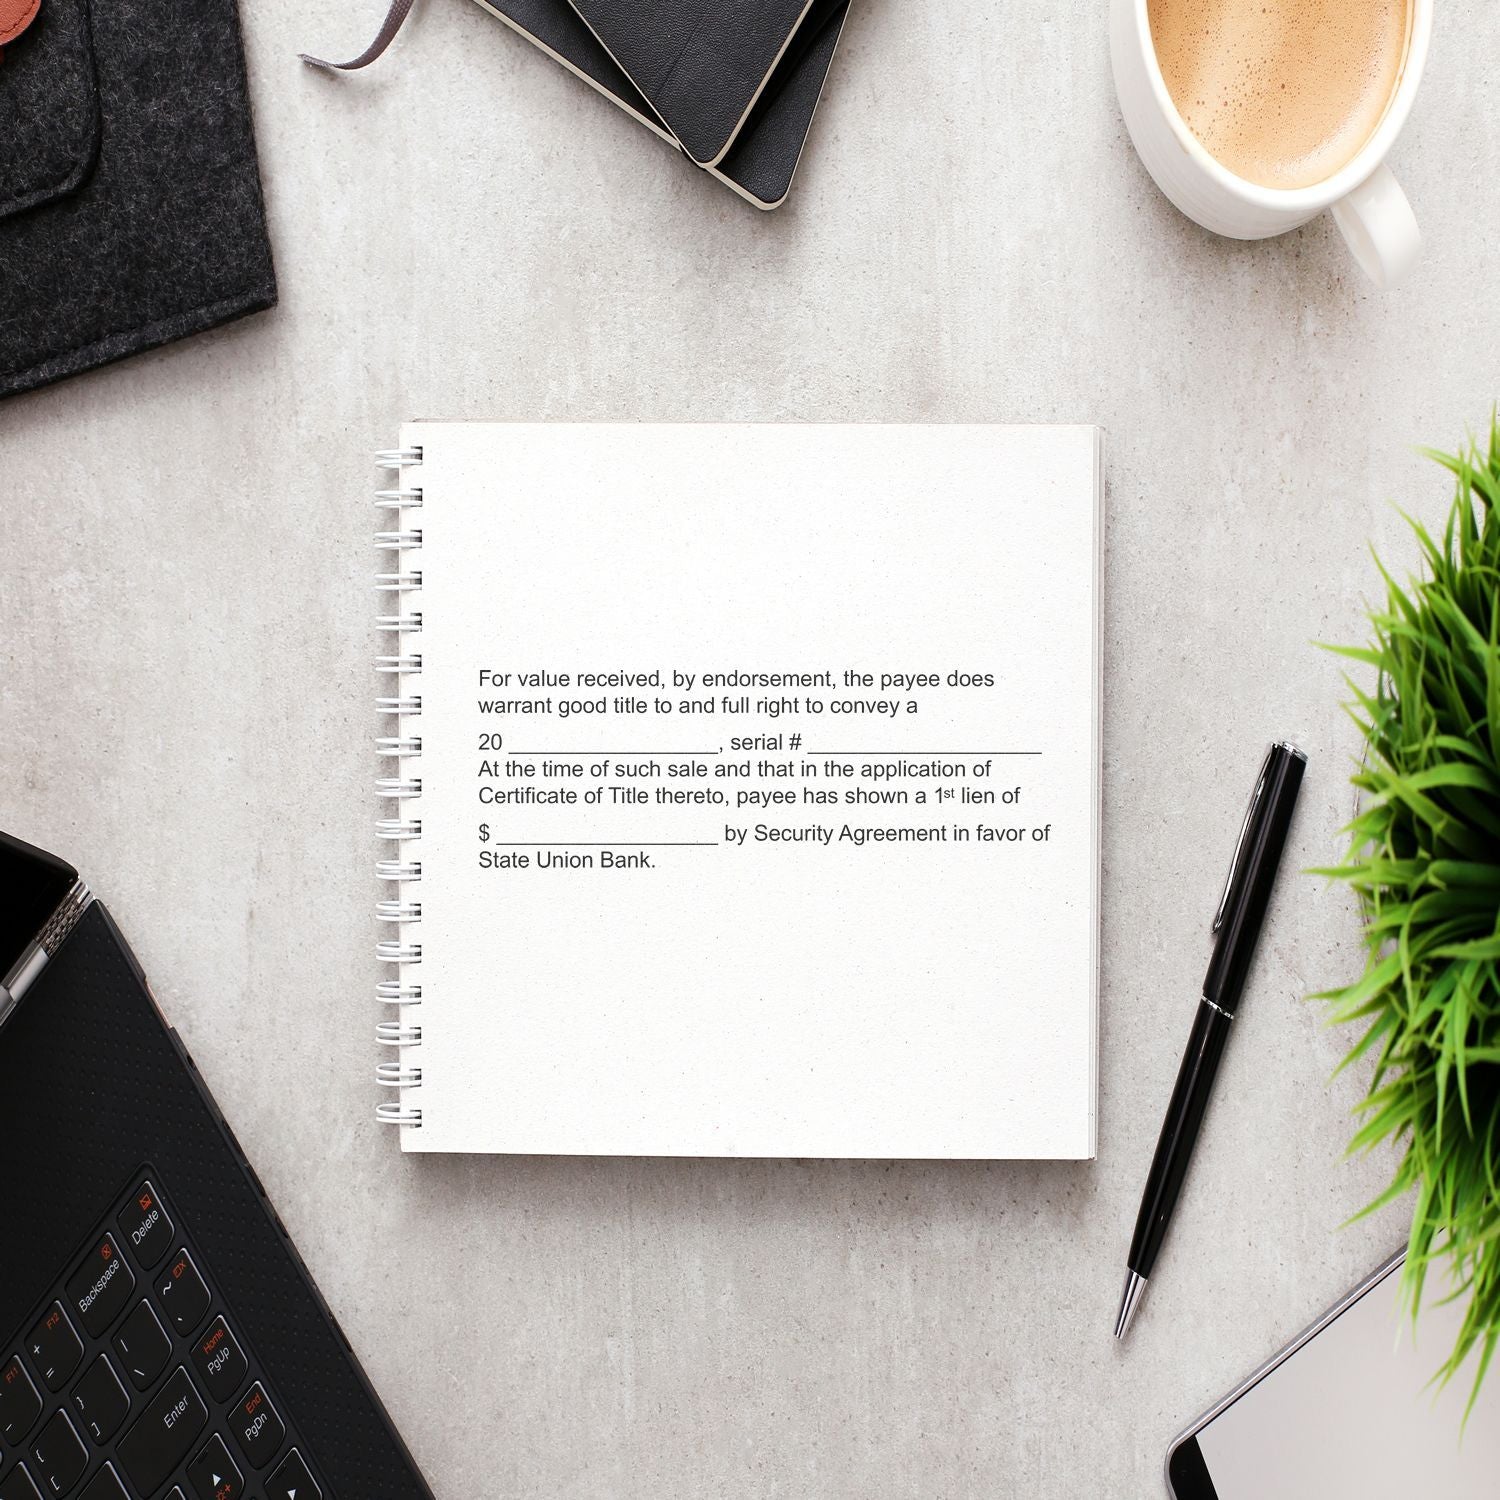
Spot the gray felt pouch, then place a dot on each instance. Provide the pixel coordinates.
(49, 109)
(130, 201)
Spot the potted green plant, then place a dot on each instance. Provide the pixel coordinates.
(1424, 860)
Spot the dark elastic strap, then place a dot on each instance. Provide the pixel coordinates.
(395, 18)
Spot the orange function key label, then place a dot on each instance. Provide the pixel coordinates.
(213, 1475)
(257, 1428)
(20, 1405)
(55, 1350)
(144, 1224)
(181, 1292)
(219, 1360)
(99, 1290)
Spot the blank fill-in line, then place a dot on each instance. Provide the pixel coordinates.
(612, 752)
(924, 752)
(596, 844)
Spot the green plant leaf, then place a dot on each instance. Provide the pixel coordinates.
(1423, 861)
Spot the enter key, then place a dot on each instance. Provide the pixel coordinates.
(159, 1441)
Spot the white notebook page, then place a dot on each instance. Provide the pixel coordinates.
(881, 942)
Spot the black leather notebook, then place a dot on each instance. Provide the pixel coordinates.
(701, 63)
(130, 202)
(763, 160)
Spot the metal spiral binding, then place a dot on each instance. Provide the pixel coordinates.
(398, 1034)
(401, 542)
(399, 911)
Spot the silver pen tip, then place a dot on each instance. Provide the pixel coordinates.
(1130, 1299)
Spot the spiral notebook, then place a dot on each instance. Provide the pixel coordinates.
(743, 788)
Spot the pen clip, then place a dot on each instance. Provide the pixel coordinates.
(1239, 843)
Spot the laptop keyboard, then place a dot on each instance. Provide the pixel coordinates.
(135, 1382)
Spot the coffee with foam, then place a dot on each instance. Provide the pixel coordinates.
(1281, 92)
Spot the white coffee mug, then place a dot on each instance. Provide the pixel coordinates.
(1367, 202)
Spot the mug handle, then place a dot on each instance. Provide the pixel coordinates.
(1380, 228)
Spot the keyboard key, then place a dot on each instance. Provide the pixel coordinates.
(105, 1485)
(143, 1346)
(59, 1455)
(213, 1475)
(101, 1400)
(219, 1361)
(20, 1405)
(163, 1433)
(182, 1293)
(17, 1485)
(146, 1227)
(257, 1428)
(99, 1290)
(291, 1481)
(54, 1348)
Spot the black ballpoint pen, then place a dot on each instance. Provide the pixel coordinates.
(1242, 909)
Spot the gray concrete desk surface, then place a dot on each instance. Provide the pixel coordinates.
(467, 231)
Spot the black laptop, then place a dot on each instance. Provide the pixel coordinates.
(160, 1339)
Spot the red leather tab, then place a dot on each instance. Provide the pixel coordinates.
(15, 17)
